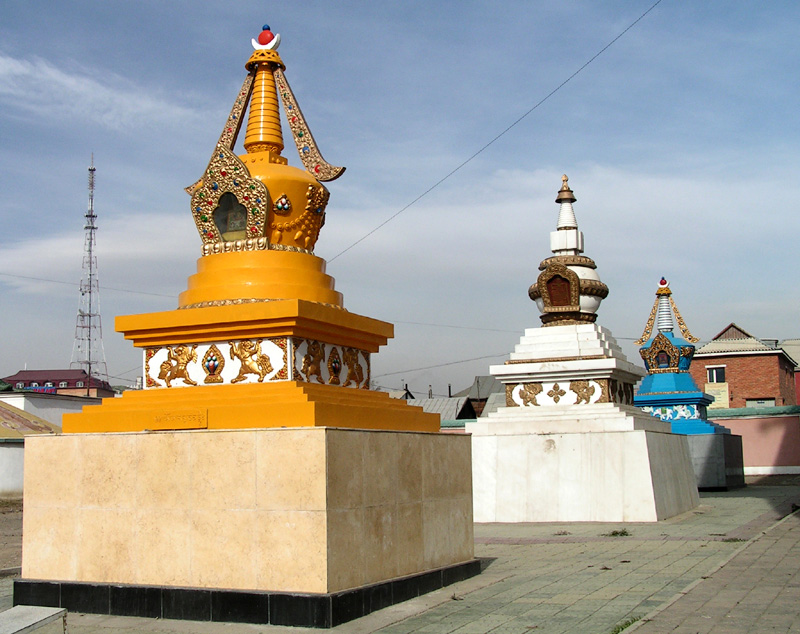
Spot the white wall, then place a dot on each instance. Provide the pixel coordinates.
(48, 406)
(11, 468)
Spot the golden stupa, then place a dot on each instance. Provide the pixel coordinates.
(256, 477)
(260, 338)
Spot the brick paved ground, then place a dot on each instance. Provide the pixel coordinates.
(758, 590)
(589, 578)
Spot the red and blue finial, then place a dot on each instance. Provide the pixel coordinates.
(267, 39)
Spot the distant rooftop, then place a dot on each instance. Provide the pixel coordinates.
(41, 377)
(736, 340)
(14, 423)
(454, 408)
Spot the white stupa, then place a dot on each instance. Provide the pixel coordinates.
(570, 445)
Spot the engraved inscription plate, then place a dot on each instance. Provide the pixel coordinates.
(180, 419)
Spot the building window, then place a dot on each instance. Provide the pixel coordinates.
(716, 375)
(20, 385)
(62, 384)
(759, 402)
(48, 384)
(34, 384)
(79, 384)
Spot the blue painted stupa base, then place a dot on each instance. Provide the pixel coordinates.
(686, 411)
(691, 427)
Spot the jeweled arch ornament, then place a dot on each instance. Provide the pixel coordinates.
(235, 210)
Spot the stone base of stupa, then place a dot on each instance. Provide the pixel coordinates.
(716, 453)
(717, 460)
(522, 473)
(296, 526)
(569, 446)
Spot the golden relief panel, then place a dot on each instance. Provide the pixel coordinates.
(648, 327)
(558, 287)
(616, 392)
(605, 392)
(334, 366)
(355, 371)
(528, 393)
(523, 394)
(661, 356)
(283, 344)
(301, 233)
(251, 360)
(306, 145)
(557, 394)
(229, 206)
(148, 380)
(319, 362)
(176, 365)
(568, 260)
(681, 323)
(313, 361)
(213, 363)
(583, 391)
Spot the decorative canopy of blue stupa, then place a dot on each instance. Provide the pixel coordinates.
(668, 391)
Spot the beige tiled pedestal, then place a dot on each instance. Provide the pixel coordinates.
(308, 510)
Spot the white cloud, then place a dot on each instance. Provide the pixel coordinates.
(42, 89)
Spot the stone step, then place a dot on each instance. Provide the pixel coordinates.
(33, 618)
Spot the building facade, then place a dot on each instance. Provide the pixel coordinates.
(739, 370)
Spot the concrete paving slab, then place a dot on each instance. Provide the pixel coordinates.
(731, 565)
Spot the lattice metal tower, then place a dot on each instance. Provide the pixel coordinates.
(87, 351)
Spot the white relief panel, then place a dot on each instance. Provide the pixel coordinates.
(217, 363)
(318, 362)
(255, 361)
(556, 394)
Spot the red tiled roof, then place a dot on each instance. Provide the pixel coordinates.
(56, 376)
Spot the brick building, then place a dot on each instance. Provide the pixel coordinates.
(740, 370)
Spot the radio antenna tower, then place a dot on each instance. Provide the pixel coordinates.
(87, 351)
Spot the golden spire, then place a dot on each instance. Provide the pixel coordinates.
(565, 194)
(264, 122)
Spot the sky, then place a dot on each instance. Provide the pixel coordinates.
(680, 141)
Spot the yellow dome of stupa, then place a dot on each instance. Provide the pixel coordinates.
(251, 207)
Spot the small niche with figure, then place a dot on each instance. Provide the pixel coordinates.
(230, 217)
(559, 290)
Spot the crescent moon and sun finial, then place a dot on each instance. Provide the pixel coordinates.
(267, 40)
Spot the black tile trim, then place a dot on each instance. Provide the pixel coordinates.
(141, 601)
(86, 597)
(235, 606)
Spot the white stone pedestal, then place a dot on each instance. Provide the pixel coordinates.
(569, 446)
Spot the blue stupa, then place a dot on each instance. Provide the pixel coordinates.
(668, 391)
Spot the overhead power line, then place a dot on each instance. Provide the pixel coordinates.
(105, 288)
(441, 365)
(420, 323)
(500, 135)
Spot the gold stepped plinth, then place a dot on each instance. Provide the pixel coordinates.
(306, 312)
